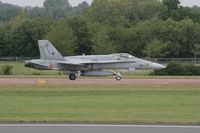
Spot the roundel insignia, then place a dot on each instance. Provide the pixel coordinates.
(51, 66)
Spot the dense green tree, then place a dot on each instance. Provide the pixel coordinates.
(8, 11)
(53, 4)
(125, 12)
(103, 43)
(175, 11)
(4, 30)
(57, 9)
(170, 33)
(79, 10)
(83, 39)
(106, 12)
(171, 4)
(189, 35)
(156, 48)
(83, 5)
(140, 10)
(135, 39)
(23, 37)
(107, 26)
(196, 51)
(194, 14)
(62, 37)
(36, 12)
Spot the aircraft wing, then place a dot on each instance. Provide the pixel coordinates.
(70, 63)
(89, 62)
(106, 62)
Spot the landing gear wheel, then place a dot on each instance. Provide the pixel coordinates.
(72, 77)
(118, 78)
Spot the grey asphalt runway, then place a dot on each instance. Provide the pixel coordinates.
(64, 128)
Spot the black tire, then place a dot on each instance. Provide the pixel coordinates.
(72, 77)
(118, 78)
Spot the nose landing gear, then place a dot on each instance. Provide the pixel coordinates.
(118, 75)
(118, 78)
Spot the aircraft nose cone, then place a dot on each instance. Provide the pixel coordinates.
(158, 66)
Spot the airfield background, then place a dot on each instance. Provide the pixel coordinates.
(162, 31)
(147, 28)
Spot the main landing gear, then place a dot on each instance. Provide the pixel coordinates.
(72, 76)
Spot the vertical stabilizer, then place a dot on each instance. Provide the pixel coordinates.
(48, 51)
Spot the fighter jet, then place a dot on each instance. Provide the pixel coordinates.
(87, 65)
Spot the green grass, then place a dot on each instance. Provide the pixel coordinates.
(19, 69)
(138, 73)
(108, 104)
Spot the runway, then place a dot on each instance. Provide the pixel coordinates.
(64, 128)
(98, 81)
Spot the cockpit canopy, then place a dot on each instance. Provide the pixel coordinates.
(123, 56)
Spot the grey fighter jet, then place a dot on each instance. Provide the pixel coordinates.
(90, 65)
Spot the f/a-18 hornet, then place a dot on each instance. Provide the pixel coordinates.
(87, 65)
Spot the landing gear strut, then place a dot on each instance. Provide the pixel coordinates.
(72, 77)
(118, 75)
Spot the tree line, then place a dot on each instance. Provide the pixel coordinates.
(144, 28)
